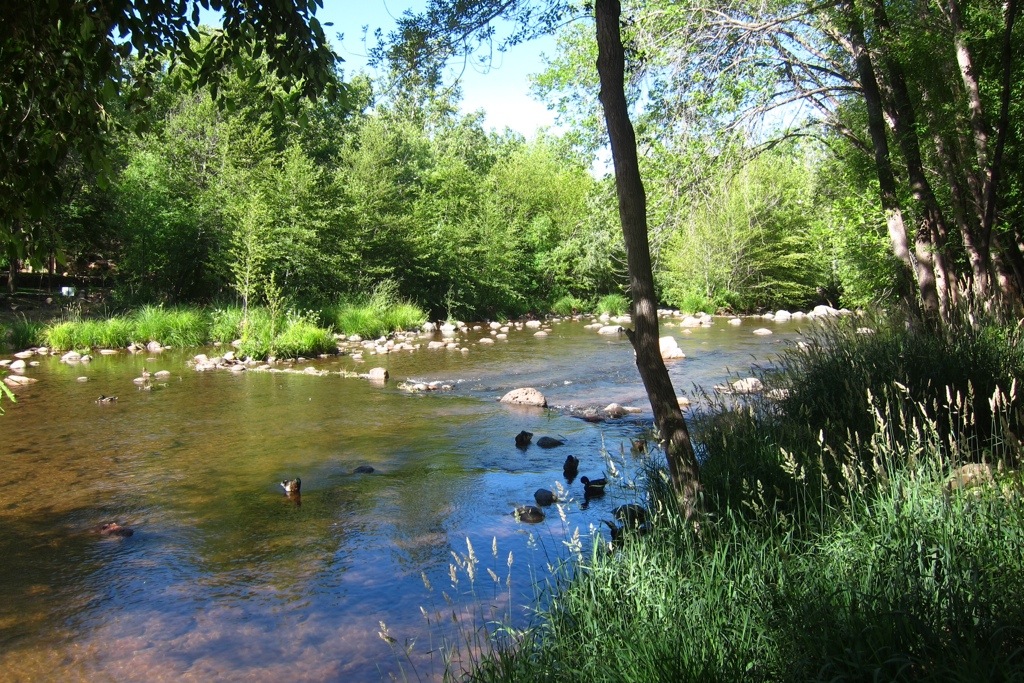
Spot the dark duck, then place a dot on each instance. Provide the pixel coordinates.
(571, 467)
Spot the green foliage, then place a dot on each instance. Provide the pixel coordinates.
(569, 305)
(749, 243)
(290, 335)
(225, 324)
(65, 75)
(383, 312)
(612, 304)
(23, 333)
(170, 326)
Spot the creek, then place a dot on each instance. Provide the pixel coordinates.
(226, 578)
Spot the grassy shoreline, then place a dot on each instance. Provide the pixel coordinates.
(260, 331)
(869, 526)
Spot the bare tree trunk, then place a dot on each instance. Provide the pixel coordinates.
(930, 236)
(682, 461)
(880, 144)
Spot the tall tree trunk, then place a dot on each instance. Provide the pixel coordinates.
(854, 30)
(682, 461)
(931, 233)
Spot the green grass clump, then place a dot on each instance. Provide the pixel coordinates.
(225, 324)
(569, 305)
(62, 335)
(612, 304)
(23, 333)
(302, 338)
(171, 326)
(383, 312)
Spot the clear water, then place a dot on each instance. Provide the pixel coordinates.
(226, 578)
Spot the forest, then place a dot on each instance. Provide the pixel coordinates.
(769, 183)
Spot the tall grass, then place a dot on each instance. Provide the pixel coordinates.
(612, 304)
(839, 556)
(380, 313)
(22, 333)
(569, 305)
(263, 335)
(171, 326)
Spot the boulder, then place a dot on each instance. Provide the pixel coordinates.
(548, 442)
(670, 348)
(526, 396)
(377, 375)
(544, 497)
(18, 380)
(71, 357)
(533, 324)
(735, 321)
(762, 331)
(610, 329)
(747, 385)
(154, 347)
(18, 365)
(782, 316)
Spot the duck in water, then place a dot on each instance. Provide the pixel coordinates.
(592, 488)
(106, 399)
(571, 468)
(292, 485)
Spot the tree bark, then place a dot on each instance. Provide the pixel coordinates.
(854, 30)
(668, 418)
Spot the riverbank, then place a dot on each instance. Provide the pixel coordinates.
(866, 527)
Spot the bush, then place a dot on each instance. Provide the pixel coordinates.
(383, 312)
(569, 305)
(23, 333)
(613, 304)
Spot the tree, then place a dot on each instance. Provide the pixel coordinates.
(67, 62)
(679, 453)
(445, 29)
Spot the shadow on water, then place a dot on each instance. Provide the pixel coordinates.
(228, 578)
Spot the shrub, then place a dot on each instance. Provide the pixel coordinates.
(23, 333)
(569, 305)
(613, 304)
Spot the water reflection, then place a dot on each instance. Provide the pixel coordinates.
(227, 578)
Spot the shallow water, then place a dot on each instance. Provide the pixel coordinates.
(228, 579)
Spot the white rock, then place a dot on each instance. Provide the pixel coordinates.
(527, 396)
(18, 365)
(610, 329)
(486, 340)
(747, 385)
(782, 316)
(540, 333)
(71, 357)
(24, 354)
(763, 331)
(533, 324)
(735, 321)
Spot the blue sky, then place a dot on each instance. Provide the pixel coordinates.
(502, 92)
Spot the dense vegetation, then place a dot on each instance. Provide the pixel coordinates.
(838, 541)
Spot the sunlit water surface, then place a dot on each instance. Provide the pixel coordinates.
(228, 579)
